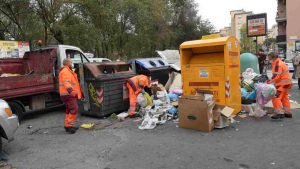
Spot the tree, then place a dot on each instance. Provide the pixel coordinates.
(108, 28)
(17, 21)
(185, 23)
(247, 43)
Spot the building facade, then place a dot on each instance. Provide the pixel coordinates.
(226, 31)
(238, 20)
(288, 25)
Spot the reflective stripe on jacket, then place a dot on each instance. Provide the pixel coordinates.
(68, 82)
(137, 83)
(281, 75)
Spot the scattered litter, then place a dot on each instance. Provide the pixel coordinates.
(172, 97)
(29, 126)
(137, 119)
(148, 123)
(114, 116)
(227, 111)
(243, 116)
(122, 116)
(175, 104)
(176, 121)
(272, 163)
(88, 125)
(257, 111)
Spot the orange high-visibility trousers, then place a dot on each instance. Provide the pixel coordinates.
(281, 101)
(71, 110)
(132, 100)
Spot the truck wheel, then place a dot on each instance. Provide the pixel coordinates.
(17, 110)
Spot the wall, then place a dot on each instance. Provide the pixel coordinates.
(293, 24)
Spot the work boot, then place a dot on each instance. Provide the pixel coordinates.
(67, 129)
(71, 130)
(277, 116)
(288, 115)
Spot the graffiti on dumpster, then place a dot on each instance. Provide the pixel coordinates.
(96, 95)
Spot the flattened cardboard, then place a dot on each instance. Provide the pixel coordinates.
(227, 111)
(195, 113)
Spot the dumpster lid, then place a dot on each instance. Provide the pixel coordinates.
(97, 69)
(176, 66)
(206, 42)
(149, 63)
(171, 56)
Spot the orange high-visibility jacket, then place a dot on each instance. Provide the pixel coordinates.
(68, 82)
(281, 75)
(137, 82)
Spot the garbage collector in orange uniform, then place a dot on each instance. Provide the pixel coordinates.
(283, 83)
(70, 92)
(135, 86)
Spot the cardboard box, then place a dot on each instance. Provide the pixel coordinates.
(196, 113)
(221, 121)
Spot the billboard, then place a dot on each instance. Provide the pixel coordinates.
(257, 25)
(13, 49)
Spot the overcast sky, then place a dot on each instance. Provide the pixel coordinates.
(218, 11)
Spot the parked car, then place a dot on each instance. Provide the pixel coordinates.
(8, 122)
(290, 65)
(99, 60)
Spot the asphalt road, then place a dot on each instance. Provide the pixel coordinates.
(41, 143)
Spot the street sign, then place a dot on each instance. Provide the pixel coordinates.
(257, 25)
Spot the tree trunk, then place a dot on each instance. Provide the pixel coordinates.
(45, 35)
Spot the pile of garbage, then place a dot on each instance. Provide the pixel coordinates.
(158, 108)
(256, 93)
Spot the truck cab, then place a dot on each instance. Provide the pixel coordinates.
(67, 51)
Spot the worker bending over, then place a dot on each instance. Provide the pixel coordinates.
(70, 92)
(135, 86)
(283, 83)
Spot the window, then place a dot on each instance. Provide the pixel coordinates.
(76, 56)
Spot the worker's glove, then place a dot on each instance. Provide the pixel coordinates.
(269, 82)
(73, 94)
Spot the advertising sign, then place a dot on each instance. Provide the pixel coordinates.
(13, 49)
(257, 25)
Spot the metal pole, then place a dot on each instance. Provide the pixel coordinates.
(256, 45)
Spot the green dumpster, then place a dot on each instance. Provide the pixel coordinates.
(248, 60)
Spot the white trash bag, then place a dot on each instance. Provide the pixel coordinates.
(258, 111)
(148, 122)
(141, 100)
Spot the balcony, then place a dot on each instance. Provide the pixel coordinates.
(281, 39)
(281, 11)
(281, 16)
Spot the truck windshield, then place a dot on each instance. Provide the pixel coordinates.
(76, 56)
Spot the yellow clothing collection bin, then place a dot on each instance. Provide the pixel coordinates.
(212, 64)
